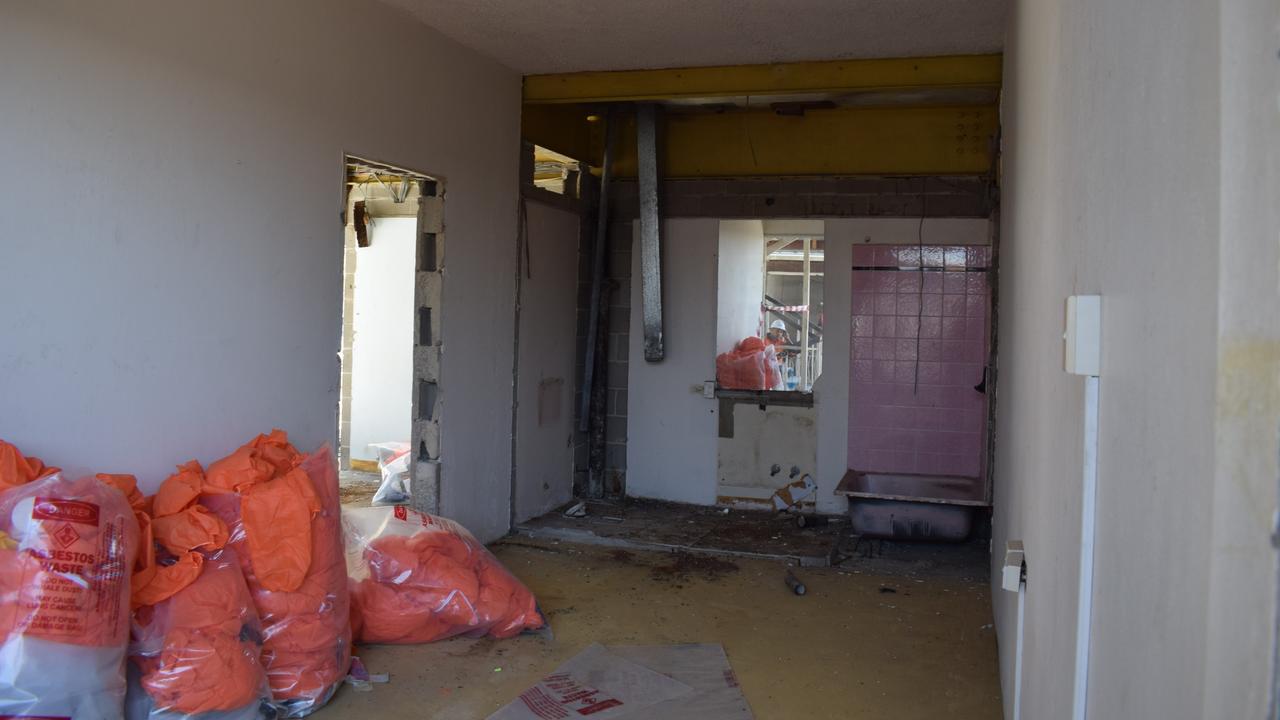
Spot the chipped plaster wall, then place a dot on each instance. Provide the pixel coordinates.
(181, 240)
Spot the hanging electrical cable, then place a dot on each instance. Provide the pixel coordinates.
(915, 385)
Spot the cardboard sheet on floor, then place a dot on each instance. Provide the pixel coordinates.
(673, 682)
(703, 667)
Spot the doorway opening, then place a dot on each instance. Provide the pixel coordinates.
(390, 239)
(769, 317)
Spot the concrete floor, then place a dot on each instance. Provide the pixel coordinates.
(858, 645)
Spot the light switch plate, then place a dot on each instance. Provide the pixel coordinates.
(1011, 572)
(1082, 341)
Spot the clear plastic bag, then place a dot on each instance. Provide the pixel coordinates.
(198, 652)
(393, 463)
(418, 578)
(67, 549)
(306, 630)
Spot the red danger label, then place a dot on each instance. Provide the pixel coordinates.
(65, 510)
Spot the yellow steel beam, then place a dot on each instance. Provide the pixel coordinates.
(778, 79)
(863, 141)
(562, 128)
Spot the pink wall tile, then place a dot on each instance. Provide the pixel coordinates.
(921, 418)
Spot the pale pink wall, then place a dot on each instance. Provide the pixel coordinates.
(935, 428)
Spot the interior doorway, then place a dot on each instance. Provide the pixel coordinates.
(383, 239)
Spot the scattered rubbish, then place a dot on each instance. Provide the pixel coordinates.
(885, 589)
(419, 578)
(794, 583)
(792, 494)
(393, 463)
(361, 680)
(673, 682)
(576, 510)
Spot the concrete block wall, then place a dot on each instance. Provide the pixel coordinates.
(618, 306)
(348, 340)
(428, 396)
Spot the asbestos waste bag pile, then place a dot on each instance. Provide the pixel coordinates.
(283, 516)
(197, 640)
(66, 550)
(751, 365)
(418, 578)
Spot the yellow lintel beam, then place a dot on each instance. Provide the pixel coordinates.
(561, 128)
(853, 141)
(829, 76)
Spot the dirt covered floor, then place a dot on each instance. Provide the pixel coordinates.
(860, 644)
(357, 488)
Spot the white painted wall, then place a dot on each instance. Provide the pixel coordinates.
(382, 346)
(672, 431)
(739, 282)
(177, 225)
(671, 427)
(544, 411)
(1140, 144)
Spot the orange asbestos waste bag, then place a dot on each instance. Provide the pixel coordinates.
(173, 533)
(751, 365)
(66, 550)
(199, 650)
(418, 578)
(17, 469)
(283, 514)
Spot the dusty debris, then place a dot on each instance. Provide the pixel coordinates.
(684, 565)
(622, 557)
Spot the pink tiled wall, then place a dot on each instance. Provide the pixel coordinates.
(935, 427)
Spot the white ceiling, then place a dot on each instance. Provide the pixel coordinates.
(546, 36)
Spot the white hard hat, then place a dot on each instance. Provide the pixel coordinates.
(777, 325)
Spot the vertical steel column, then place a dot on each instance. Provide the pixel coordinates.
(597, 272)
(650, 230)
(805, 380)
